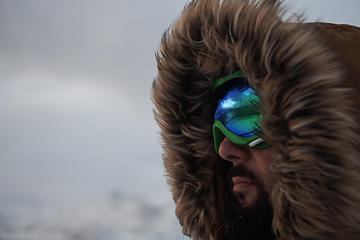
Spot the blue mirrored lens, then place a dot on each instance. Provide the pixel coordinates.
(236, 108)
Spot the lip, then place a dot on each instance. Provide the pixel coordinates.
(239, 180)
(241, 184)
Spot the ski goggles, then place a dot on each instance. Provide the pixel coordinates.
(236, 112)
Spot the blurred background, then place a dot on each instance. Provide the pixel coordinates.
(80, 155)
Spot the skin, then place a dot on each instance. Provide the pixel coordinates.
(254, 159)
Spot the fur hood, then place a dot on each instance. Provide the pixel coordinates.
(308, 75)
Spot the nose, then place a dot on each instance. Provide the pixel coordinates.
(234, 153)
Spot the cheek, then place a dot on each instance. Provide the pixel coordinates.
(268, 176)
(269, 182)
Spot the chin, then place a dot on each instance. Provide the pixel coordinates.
(249, 217)
(246, 200)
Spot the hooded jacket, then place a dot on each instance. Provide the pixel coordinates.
(308, 75)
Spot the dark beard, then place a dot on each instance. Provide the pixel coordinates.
(248, 223)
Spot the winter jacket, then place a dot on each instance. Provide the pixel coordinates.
(308, 75)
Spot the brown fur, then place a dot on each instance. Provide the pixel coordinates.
(309, 119)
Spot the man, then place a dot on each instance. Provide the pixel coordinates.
(259, 122)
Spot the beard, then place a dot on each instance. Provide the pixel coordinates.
(248, 222)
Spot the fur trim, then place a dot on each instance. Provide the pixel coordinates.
(308, 118)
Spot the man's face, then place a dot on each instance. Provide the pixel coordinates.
(249, 215)
(250, 177)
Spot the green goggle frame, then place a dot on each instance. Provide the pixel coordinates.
(235, 114)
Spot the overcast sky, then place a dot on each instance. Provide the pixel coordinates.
(76, 118)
